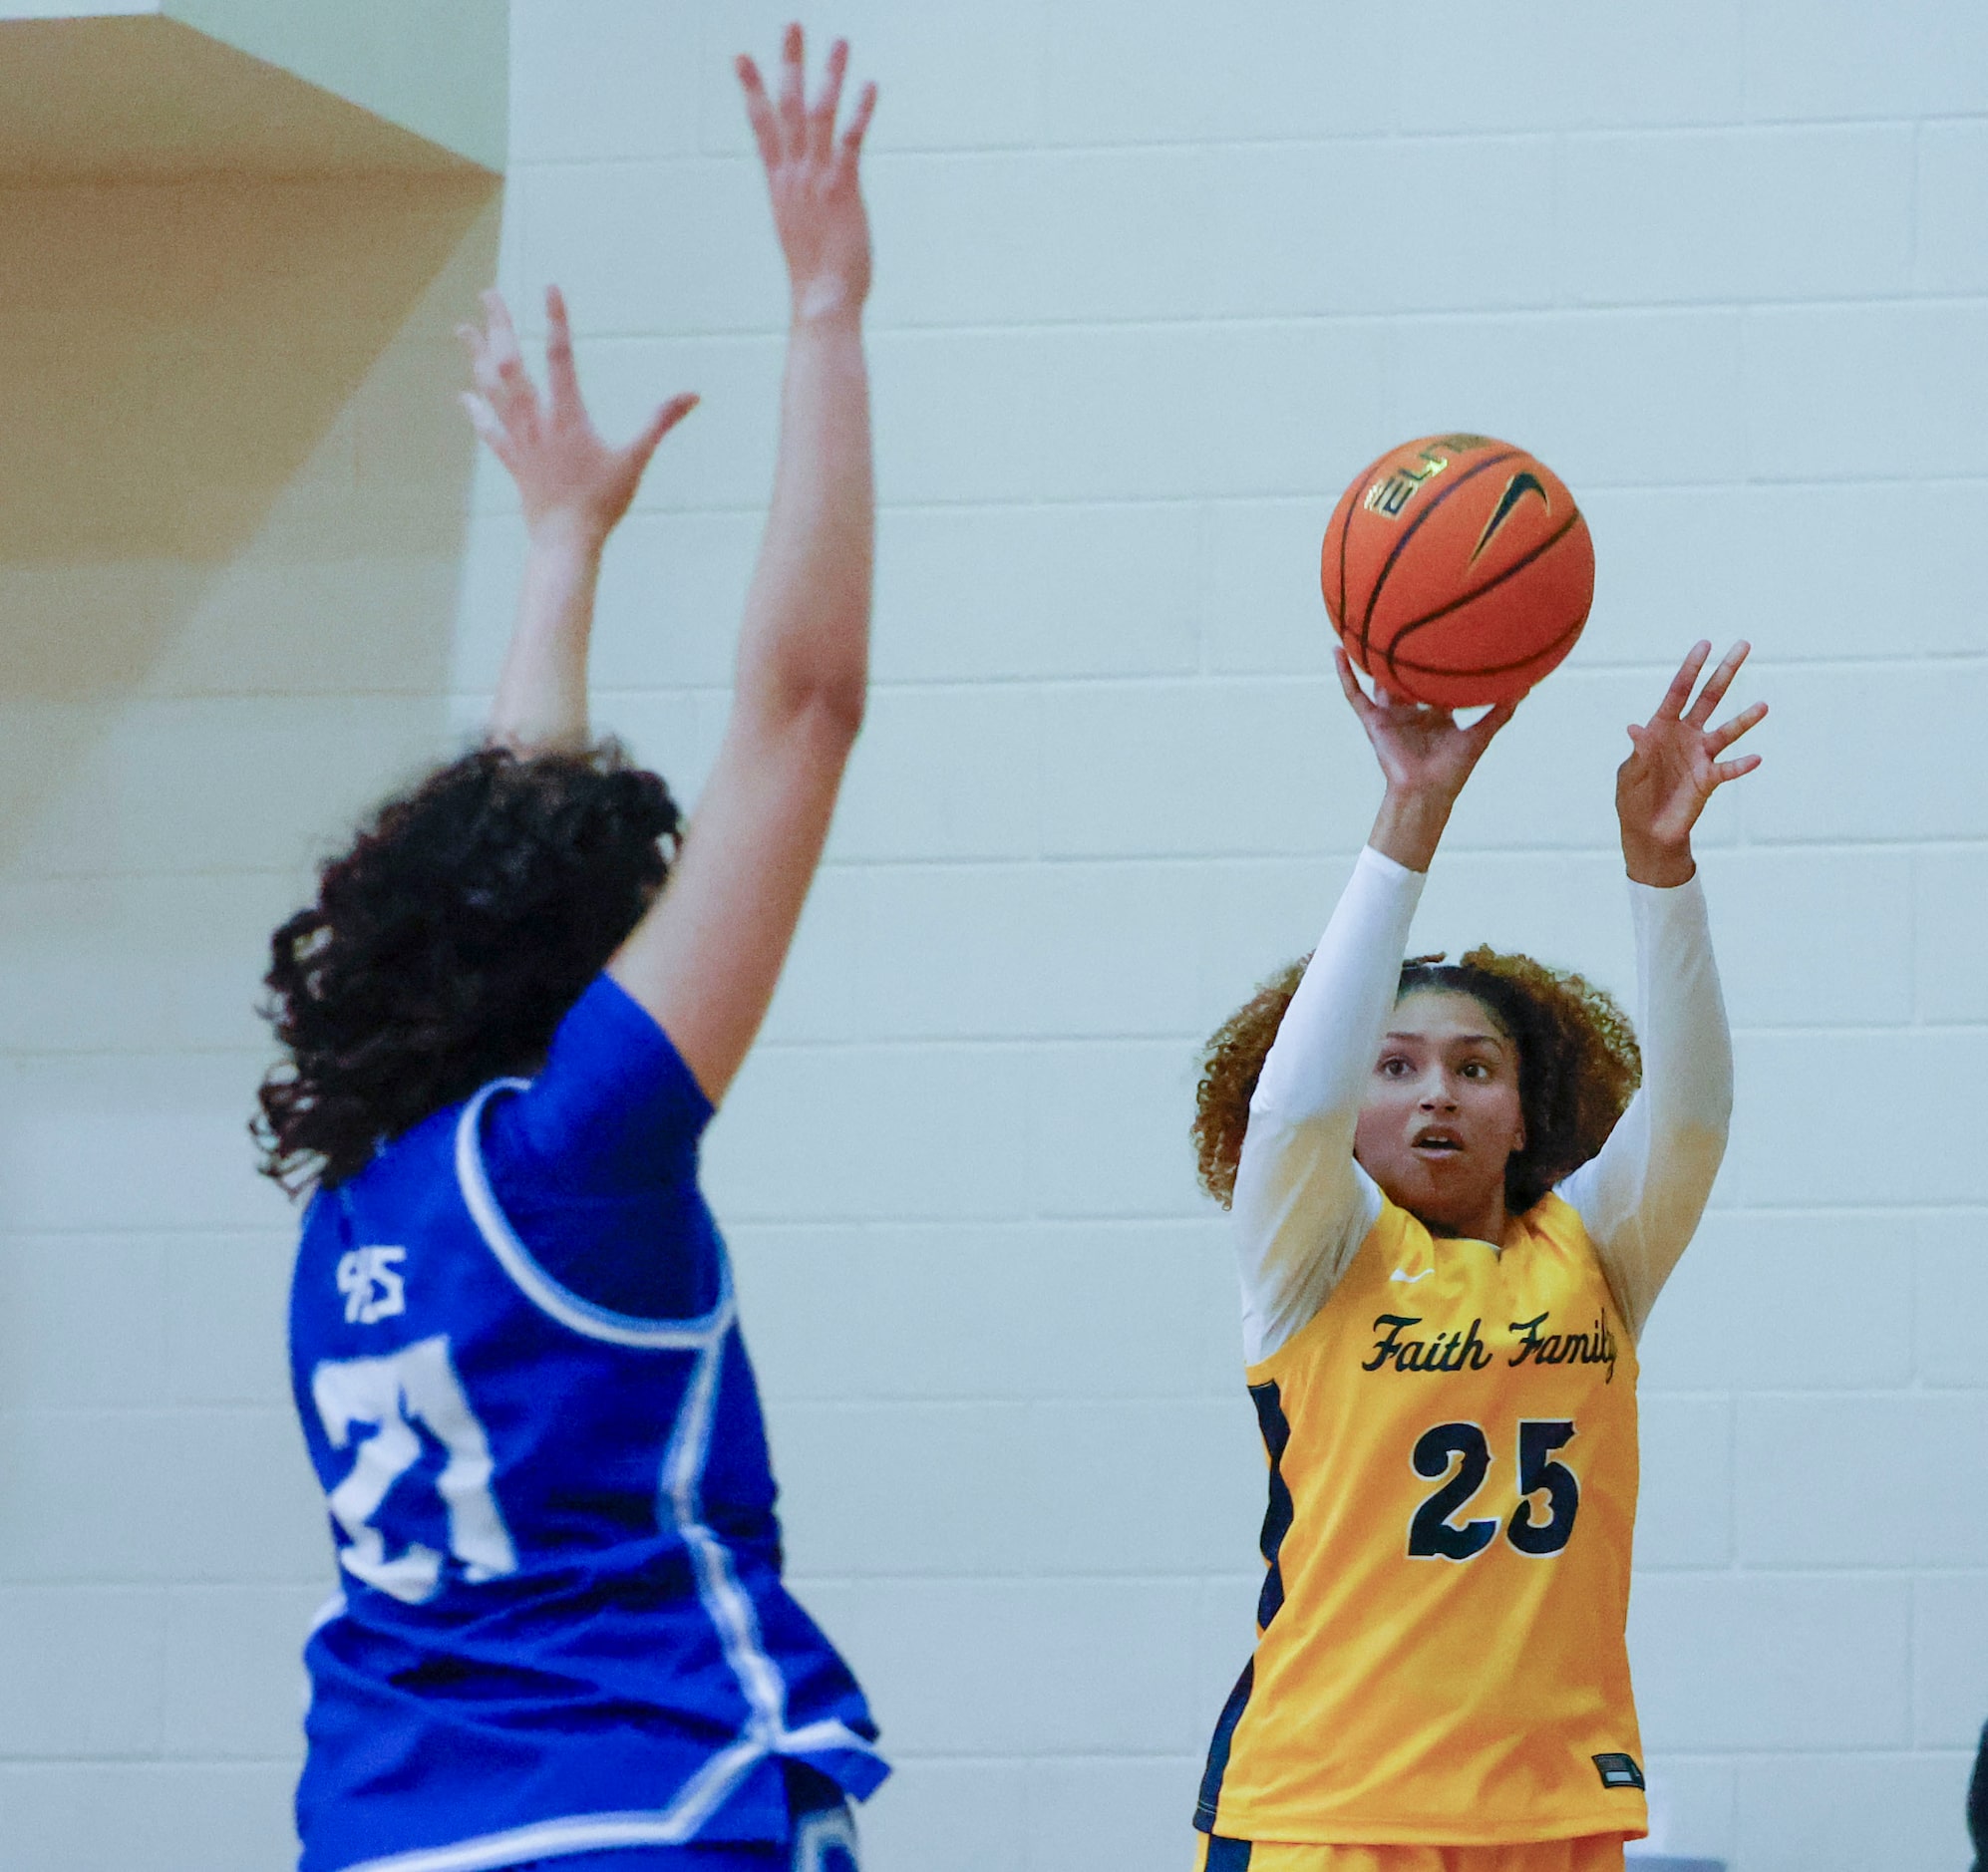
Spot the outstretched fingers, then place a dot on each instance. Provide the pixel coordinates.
(821, 118)
(760, 111)
(1350, 685)
(1481, 732)
(666, 418)
(793, 108)
(483, 419)
(1717, 739)
(858, 124)
(1718, 683)
(1679, 692)
(498, 365)
(562, 378)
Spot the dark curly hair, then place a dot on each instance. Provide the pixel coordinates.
(1579, 1064)
(447, 944)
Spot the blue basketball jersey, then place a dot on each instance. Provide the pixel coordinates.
(562, 1626)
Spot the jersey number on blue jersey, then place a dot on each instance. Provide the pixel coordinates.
(1432, 1535)
(398, 1394)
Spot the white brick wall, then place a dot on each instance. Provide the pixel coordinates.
(1153, 280)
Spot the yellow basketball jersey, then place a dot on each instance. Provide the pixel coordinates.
(1453, 1497)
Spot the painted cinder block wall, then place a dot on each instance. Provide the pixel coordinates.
(1154, 281)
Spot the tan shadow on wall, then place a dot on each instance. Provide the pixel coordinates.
(231, 463)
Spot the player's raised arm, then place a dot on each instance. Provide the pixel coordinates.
(1426, 758)
(574, 487)
(1674, 768)
(1301, 1207)
(1641, 1196)
(705, 961)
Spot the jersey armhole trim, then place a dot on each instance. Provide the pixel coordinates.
(1371, 1203)
(1269, 1366)
(535, 1284)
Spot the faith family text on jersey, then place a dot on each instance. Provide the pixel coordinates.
(1463, 1349)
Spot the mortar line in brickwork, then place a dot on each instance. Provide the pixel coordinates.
(1221, 680)
(251, 1059)
(1010, 1400)
(1319, 855)
(1264, 496)
(1847, 1210)
(1049, 149)
(206, 1764)
(114, 1414)
(991, 1042)
(1226, 1401)
(1933, 841)
(1869, 1572)
(277, 1236)
(1787, 1394)
(1535, 311)
(1810, 1751)
(1850, 1030)
(1199, 1576)
(1107, 501)
(1213, 1220)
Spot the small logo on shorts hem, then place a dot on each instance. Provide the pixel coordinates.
(1618, 1770)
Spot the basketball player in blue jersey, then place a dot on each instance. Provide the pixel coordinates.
(561, 1637)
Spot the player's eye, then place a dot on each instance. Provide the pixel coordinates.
(1394, 1066)
(1476, 1068)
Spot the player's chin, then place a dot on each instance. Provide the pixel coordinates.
(1415, 1185)
(1435, 1186)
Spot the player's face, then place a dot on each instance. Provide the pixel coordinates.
(1443, 1114)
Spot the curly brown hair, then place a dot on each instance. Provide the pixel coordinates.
(1579, 1064)
(445, 945)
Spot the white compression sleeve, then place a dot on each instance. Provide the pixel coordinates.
(1302, 1207)
(1640, 1198)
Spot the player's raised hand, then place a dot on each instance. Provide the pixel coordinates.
(1426, 756)
(569, 479)
(810, 166)
(1674, 766)
(1421, 750)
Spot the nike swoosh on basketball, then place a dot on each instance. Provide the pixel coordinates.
(1411, 1278)
(1515, 490)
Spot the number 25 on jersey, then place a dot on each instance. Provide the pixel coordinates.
(1434, 1535)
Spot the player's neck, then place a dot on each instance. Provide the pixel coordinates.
(1489, 1223)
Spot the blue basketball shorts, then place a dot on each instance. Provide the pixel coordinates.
(824, 1840)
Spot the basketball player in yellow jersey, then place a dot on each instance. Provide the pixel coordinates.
(1453, 1218)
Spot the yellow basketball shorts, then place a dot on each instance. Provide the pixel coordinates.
(1600, 1852)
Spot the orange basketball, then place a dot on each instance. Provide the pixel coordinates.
(1458, 570)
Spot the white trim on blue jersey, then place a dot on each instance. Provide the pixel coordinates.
(554, 1839)
(679, 1503)
(818, 1833)
(539, 1287)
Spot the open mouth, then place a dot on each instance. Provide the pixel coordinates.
(1435, 1142)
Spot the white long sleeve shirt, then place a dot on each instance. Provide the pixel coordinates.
(1302, 1205)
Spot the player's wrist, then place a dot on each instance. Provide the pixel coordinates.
(567, 533)
(1663, 864)
(829, 306)
(1410, 823)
